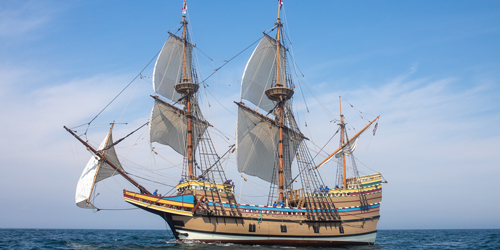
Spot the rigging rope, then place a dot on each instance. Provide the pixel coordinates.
(151, 180)
(217, 69)
(116, 142)
(115, 209)
(140, 73)
(321, 149)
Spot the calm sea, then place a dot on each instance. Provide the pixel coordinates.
(162, 239)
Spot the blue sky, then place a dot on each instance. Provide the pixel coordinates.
(430, 69)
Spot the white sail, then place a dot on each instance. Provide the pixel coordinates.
(168, 126)
(95, 171)
(260, 73)
(169, 67)
(348, 148)
(257, 144)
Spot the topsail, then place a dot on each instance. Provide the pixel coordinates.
(260, 73)
(169, 67)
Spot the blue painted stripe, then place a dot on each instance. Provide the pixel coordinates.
(183, 198)
(290, 209)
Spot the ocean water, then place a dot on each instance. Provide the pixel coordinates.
(162, 239)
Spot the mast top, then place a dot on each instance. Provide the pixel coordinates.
(184, 10)
(279, 92)
(280, 4)
(186, 86)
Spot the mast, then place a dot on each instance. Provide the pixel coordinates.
(102, 157)
(187, 88)
(342, 127)
(278, 45)
(188, 103)
(280, 110)
(279, 93)
(184, 35)
(328, 158)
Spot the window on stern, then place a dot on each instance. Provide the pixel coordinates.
(283, 228)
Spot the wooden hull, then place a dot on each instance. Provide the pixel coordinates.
(228, 222)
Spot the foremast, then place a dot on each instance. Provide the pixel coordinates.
(181, 125)
(187, 88)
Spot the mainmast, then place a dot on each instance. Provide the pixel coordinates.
(187, 88)
(279, 93)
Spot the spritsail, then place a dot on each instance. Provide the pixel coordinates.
(95, 171)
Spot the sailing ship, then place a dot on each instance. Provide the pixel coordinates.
(270, 147)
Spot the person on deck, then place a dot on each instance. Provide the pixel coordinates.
(155, 193)
(274, 204)
(327, 189)
(281, 203)
(321, 188)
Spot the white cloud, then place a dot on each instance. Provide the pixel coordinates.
(24, 17)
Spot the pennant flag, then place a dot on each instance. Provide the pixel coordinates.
(184, 7)
(280, 3)
(375, 129)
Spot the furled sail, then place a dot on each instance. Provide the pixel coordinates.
(96, 171)
(260, 73)
(168, 125)
(257, 144)
(348, 148)
(169, 67)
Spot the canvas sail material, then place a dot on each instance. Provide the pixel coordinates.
(260, 73)
(257, 144)
(169, 67)
(96, 170)
(168, 126)
(348, 148)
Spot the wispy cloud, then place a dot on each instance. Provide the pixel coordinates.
(21, 18)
